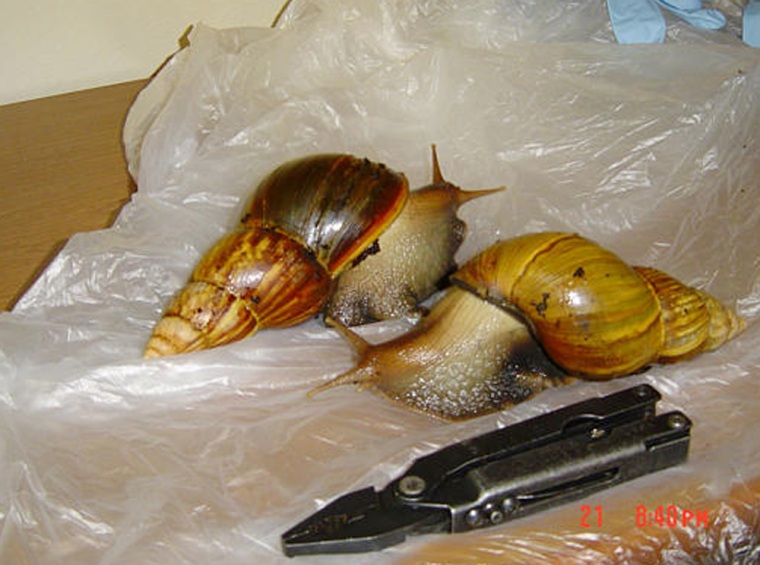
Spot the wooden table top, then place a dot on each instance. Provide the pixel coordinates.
(62, 171)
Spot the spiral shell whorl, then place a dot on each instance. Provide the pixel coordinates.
(275, 274)
(693, 320)
(249, 280)
(202, 315)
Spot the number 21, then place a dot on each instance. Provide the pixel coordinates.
(586, 512)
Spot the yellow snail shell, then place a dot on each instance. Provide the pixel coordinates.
(593, 316)
(415, 256)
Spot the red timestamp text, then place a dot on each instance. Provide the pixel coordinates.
(671, 516)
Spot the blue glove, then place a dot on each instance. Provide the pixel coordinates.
(641, 21)
(751, 23)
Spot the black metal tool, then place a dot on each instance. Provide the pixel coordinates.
(505, 474)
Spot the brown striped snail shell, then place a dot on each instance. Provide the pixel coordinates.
(594, 317)
(309, 221)
(414, 257)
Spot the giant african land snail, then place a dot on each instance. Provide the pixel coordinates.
(310, 221)
(593, 316)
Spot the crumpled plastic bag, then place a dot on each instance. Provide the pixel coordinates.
(652, 151)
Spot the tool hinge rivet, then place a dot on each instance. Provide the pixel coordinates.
(676, 421)
(494, 513)
(475, 518)
(642, 391)
(412, 485)
(509, 505)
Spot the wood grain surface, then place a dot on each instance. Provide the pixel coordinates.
(62, 171)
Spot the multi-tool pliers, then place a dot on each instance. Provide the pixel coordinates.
(551, 459)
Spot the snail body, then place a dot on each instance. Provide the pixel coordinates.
(414, 257)
(592, 316)
(310, 221)
(465, 358)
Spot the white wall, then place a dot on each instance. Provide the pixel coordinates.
(54, 46)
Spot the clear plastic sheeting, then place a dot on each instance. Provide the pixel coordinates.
(651, 150)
